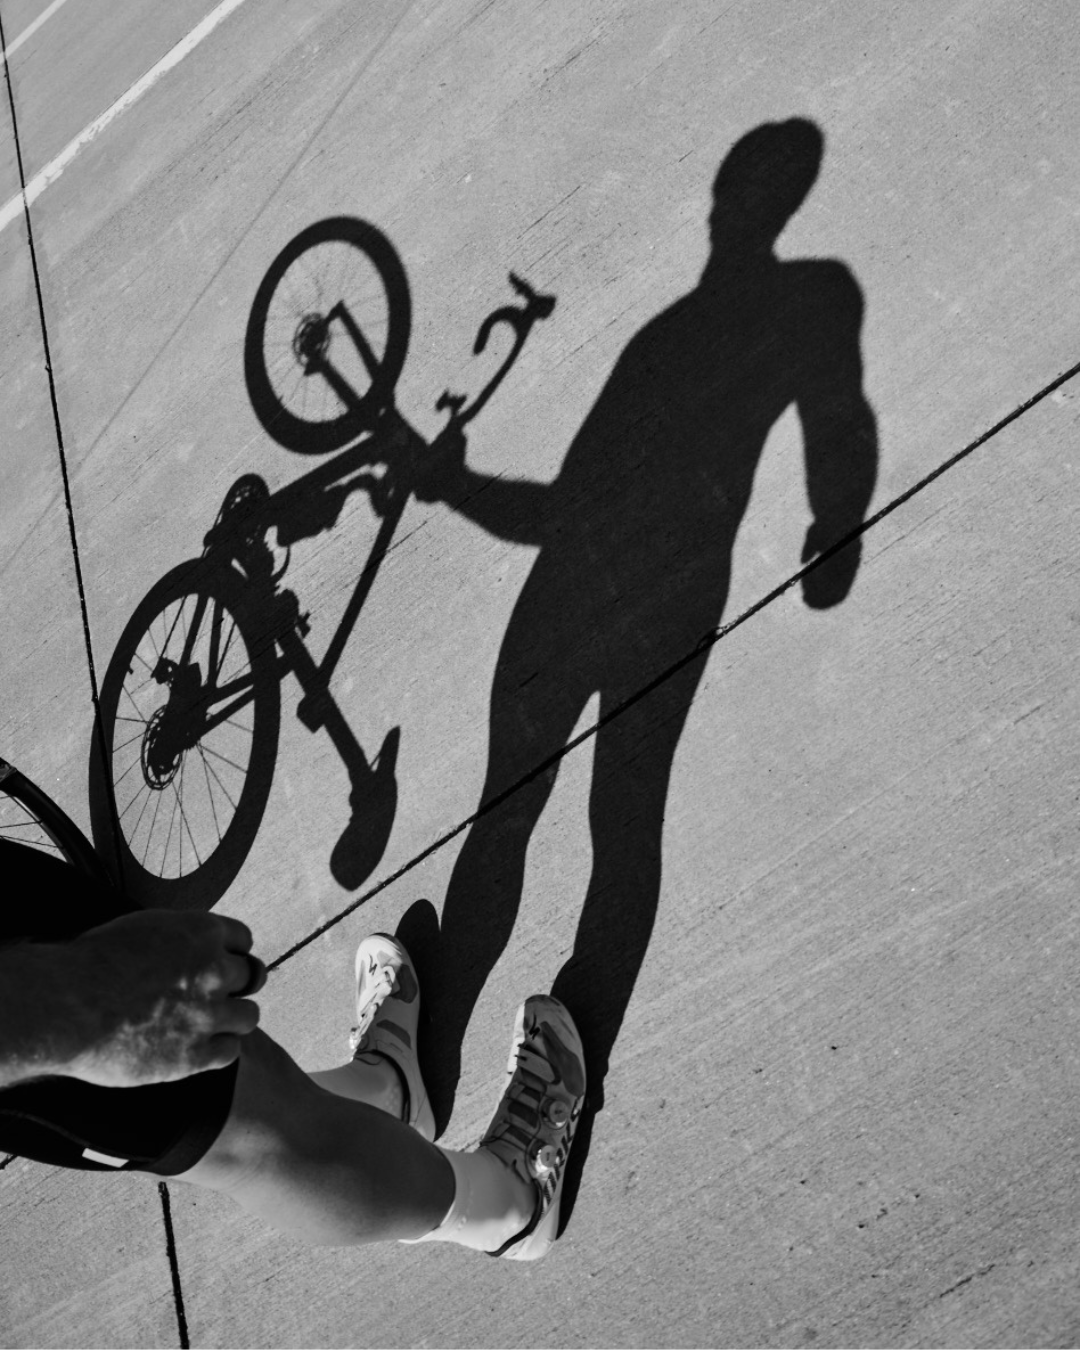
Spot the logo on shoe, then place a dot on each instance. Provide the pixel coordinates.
(406, 988)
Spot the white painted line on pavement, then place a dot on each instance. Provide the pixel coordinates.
(29, 32)
(52, 171)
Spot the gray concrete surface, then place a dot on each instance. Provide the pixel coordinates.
(841, 1105)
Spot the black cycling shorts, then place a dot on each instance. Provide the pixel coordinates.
(165, 1127)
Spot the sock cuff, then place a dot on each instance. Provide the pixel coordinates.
(491, 1202)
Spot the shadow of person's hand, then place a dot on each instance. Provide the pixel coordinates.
(439, 467)
(829, 583)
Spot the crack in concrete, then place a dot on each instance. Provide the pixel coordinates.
(975, 1275)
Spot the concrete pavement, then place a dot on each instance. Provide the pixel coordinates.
(840, 1101)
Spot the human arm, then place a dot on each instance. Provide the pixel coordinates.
(146, 998)
(516, 510)
(839, 436)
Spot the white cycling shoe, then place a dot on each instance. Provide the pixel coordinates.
(388, 1016)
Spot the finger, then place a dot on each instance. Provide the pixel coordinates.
(235, 1017)
(237, 936)
(220, 1052)
(238, 976)
(256, 977)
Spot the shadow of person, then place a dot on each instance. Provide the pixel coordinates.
(635, 541)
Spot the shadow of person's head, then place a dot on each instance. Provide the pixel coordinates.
(763, 180)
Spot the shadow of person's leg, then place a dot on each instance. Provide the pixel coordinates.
(527, 727)
(631, 774)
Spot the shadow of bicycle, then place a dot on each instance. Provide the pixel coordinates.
(189, 715)
(190, 707)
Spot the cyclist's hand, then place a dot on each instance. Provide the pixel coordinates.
(158, 996)
(438, 467)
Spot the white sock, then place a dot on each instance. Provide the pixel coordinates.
(370, 1078)
(491, 1202)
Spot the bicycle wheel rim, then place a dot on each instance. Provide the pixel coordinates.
(187, 812)
(29, 816)
(340, 262)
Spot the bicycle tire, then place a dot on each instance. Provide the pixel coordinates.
(156, 719)
(29, 816)
(291, 302)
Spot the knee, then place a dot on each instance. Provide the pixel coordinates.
(270, 1118)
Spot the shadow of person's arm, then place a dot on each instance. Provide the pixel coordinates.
(839, 434)
(516, 510)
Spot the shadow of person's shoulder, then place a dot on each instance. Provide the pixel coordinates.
(824, 280)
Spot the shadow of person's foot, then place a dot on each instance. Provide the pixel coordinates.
(575, 1165)
(597, 1010)
(440, 1056)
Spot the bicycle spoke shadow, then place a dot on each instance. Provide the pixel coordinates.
(635, 543)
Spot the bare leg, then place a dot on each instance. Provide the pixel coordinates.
(371, 1078)
(320, 1167)
(336, 1170)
